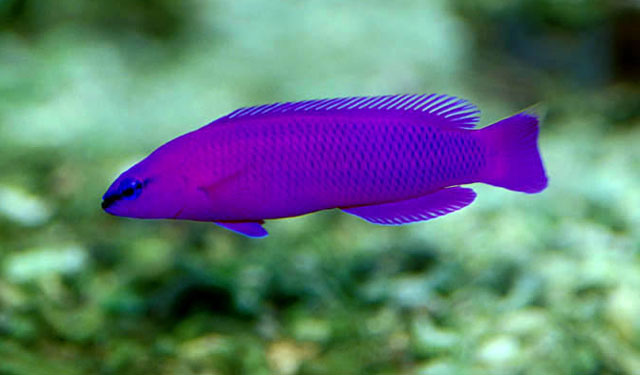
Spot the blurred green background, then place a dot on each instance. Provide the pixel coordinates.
(513, 284)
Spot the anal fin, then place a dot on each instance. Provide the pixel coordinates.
(427, 207)
(252, 229)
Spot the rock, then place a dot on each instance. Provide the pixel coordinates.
(23, 208)
(499, 351)
(44, 261)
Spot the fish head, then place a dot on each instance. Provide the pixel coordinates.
(148, 190)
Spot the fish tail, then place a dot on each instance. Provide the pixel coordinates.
(514, 161)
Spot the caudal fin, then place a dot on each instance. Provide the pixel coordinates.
(513, 159)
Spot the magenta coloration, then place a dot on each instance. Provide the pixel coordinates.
(389, 160)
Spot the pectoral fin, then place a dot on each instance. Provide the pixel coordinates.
(252, 229)
(422, 208)
(221, 184)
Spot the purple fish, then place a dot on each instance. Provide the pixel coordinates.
(389, 160)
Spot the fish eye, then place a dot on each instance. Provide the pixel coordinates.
(130, 189)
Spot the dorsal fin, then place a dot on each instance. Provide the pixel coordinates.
(441, 109)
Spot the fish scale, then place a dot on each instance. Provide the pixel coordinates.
(383, 149)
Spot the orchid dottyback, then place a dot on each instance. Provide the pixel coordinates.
(389, 160)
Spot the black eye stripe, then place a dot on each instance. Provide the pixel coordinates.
(128, 192)
(129, 189)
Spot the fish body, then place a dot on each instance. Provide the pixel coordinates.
(389, 160)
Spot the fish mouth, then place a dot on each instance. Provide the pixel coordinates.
(108, 200)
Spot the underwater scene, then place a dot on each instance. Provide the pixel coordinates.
(514, 283)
